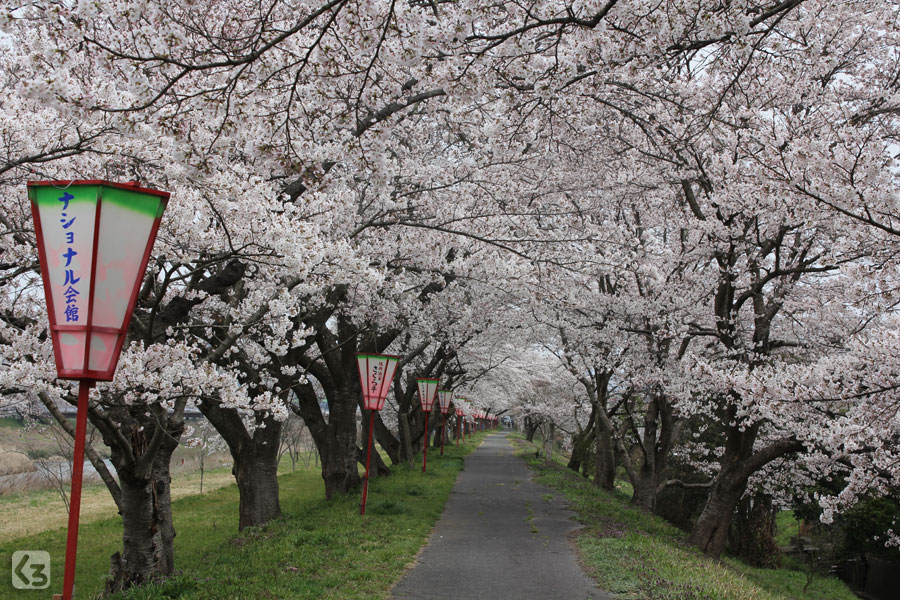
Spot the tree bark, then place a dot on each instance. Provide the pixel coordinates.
(385, 438)
(738, 463)
(335, 439)
(256, 472)
(141, 451)
(604, 456)
(752, 534)
(339, 453)
(407, 447)
(582, 443)
(548, 442)
(255, 457)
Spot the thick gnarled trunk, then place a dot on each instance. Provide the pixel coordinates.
(255, 458)
(738, 463)
(752, 534)
(256, 472)
(711, 531)
(141, 452)
(148, 533)
(335, 439)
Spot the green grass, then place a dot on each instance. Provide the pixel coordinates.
(10, 423)
(319, 550)
(638, 556)
(786, 527)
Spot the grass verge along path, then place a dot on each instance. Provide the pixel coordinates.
(635, 555)
(319, 550)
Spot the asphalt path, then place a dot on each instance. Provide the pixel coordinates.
(501, 537)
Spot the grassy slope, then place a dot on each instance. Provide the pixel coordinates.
(318, 550)
(638, 556)
(37, 511)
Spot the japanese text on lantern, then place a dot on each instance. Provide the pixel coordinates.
(71, 292)
(377, 377)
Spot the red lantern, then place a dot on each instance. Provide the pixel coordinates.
(94, 240)
(376, 372)
(427, 392)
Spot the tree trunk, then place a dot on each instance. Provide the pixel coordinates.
(384, 437)
(256, 471)
(255, 461)
(582, 443)
(604, 457)
(660, 429)
(644, 495)
(145, 501)
(405, 435)
(531, 427)
(339, 456)
(548, 443)
(738, 463)
(711, 531)
(438, 428)
(752, 534)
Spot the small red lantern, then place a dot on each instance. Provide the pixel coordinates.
(427, 392)
(93, 239)
(376, 372)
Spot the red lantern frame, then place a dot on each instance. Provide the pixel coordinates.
(374, 395)
(89, 329)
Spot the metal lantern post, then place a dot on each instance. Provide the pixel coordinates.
(376, 372)
(444, 398)
(427, 392)
(94, 239)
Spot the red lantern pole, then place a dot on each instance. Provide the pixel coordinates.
(425, 453)
(90, 299)
(362, 509)
(457, 432)
(376, 372)
(84, 388)
(443, 431)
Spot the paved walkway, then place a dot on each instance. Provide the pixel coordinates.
(500, 537)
